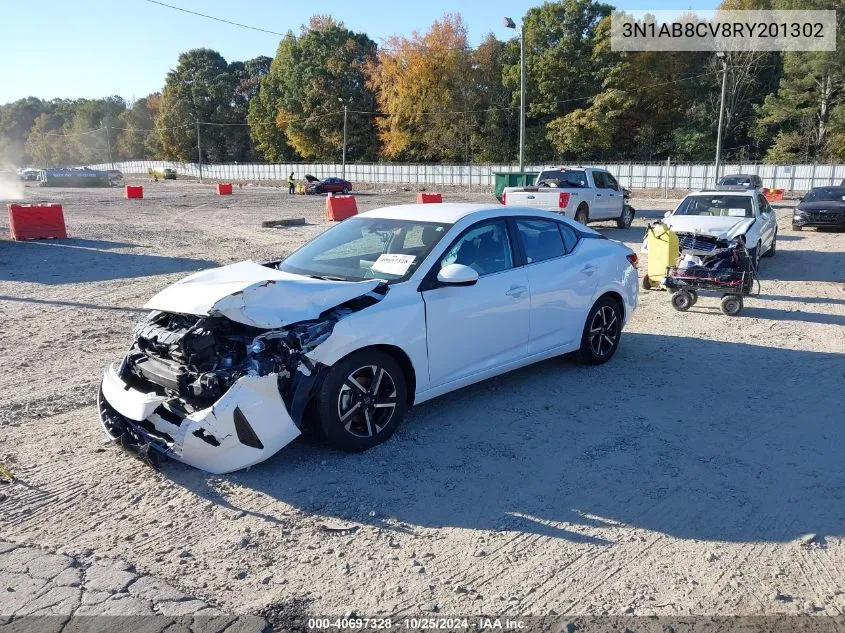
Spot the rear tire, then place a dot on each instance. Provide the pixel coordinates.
(602, 332)
(362, 400)
(624, 220)
(345, 191)
(731, 305)
(582, 215)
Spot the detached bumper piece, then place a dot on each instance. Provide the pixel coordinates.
(248, 424)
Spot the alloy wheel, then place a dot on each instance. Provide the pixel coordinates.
(604, 331)
(367, 401)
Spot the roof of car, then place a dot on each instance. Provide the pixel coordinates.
(446, 212)
(723, 192)
(739, 176)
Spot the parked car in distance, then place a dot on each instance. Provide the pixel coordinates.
(739, 181)
(115, 177)
(707, 220)
(169, 174)
(29, 175)
(329, 185)
(384, 310)
(582, 194)
(821, 207)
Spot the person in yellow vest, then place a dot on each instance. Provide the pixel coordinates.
(291, 183)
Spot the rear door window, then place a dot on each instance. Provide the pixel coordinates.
(541, 239)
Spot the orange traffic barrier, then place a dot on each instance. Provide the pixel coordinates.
(773, 195)
(340, 207)
(428, 198)
(224, 188)
(36, 221)
(133, 192)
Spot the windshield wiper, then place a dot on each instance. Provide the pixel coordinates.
(328, 277)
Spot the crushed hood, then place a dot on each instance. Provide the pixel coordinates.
(721, 227)
(256, 295)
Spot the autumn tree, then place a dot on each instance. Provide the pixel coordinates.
(424, 89)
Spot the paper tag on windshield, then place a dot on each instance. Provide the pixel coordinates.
(393, 264)
(736, 213)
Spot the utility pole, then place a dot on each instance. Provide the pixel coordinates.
(343, 166)
(522, 97)
(512, 25)
(199, 149)
(721, 56)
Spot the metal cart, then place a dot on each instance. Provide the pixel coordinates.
(733, 283)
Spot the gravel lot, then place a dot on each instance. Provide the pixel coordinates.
(700, 472)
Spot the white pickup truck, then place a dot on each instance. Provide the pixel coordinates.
(582, 194)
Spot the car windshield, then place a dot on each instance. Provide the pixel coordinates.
(563, 178)
(367, 248)
(744, 181)
(716, 205)
(826, 194)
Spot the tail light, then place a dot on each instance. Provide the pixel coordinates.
(635, 262)
(504, 198)
(562, 200)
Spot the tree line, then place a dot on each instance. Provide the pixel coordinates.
(431, 97)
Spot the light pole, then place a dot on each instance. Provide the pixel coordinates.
(512, 25)
(721, 56)
(343, 165)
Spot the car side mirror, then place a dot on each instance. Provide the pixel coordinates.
(457, 275)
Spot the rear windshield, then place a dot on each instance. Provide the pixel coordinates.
(716, 205)
(563, 178)
(826, 194)
(743, 181)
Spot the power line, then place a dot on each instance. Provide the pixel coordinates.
(260, 30)
(216, 19)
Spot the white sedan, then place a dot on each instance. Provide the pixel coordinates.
(385, 310)
(708, 220)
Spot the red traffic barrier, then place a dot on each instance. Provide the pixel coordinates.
(36, 221)
(133, 192)
(428, 198)
(224, 188)
(773, 195)
(340, 207)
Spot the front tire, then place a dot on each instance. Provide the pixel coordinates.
(773, 250)
(602, 332)
(682, 300)
(362, 400)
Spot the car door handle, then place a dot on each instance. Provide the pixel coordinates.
(598, 195)
(516, 291)
(589, 269)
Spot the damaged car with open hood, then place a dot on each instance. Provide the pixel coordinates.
(384, 310)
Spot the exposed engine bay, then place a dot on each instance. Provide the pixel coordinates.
(213, 392)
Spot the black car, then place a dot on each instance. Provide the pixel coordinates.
(822, 206)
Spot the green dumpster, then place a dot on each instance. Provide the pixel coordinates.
(513, 179)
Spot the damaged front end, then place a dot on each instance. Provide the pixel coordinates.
(214, 393)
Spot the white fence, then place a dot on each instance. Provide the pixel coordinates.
(631, 175)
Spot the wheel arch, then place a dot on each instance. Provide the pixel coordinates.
(402, 359)
(616, 297)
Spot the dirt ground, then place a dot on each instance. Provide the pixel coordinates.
(699, 472)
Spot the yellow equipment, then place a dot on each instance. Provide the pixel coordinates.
(663, 251)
